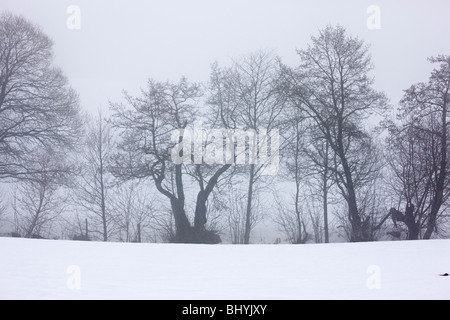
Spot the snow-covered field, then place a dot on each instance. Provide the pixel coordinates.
(46, 269)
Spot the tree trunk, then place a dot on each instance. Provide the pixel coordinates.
(325, 193)
(408, 219)
(183, 232)
(325, 211)
(411, 224)
(355, 219)
(200, 213)
(297, 210)
(102, 187)
(413, 232)
(353, 213)
(139, 232)
(248, 217)
(438, 198)
(105, 227)
(201, 234)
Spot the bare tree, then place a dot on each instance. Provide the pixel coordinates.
(419, 153)
(410, 163)
(39, 203)
(318, 153)
(308, 162)
(231, 204)
(75, 226)
(292, 221)
(38, 109)
(164, 225)
(291, 218)
(236, 221)
(247, 97)
(133, 211)
(373, 206)
(3, 207)
(333, 89)
(313, 209)
(148, 123)
(93, 184)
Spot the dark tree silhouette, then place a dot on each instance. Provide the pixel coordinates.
(147, 124)
(419, 152)
(333, 88)
(38, 109)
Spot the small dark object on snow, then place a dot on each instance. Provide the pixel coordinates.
(444, 275)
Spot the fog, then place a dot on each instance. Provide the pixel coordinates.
(120, 44)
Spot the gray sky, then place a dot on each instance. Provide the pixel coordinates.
(123, 43)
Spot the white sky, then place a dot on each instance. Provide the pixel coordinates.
(123, 43)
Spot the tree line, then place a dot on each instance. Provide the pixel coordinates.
(348, 162)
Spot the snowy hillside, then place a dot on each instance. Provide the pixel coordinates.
(44, 269)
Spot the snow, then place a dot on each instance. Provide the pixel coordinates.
(49, 269)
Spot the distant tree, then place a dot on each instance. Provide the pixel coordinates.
(231, 205)
(75, 227)
(93, 184)
(292, 219)
(133, 211)
(419, 153)
(39, 203)
(320, 155)
(247, 96)
(316, 215)
(3, 207)
(38, 109)
(332, 87)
